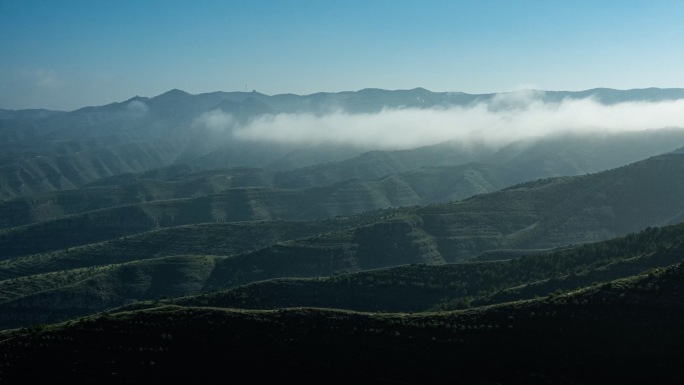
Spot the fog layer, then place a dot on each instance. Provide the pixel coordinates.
(498, 121)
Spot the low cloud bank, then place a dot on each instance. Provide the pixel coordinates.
(499, 121)
(137, 108)
(216, 121)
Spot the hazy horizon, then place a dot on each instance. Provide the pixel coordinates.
(492, 93)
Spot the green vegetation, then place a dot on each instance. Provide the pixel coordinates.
(212, 239)
(58, 295)
(453, 286)
(628, 331)
(535, 215)
(122, 190)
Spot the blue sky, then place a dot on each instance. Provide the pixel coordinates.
(68, 54)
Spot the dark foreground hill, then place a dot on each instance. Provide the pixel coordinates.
(627, 331)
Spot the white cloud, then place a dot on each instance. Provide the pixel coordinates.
(504, 119)
(216, 120)
(137, 108)
(516, 100)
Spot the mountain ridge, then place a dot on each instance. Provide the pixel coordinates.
(652, 93)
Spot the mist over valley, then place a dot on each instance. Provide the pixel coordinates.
(342, 192)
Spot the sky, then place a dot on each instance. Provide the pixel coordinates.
(68, 54)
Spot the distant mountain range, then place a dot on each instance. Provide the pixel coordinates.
(50, 150)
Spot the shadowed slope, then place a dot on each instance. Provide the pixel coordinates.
(628, 331)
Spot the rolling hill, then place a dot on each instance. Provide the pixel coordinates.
(627, 330)
(536, 215)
